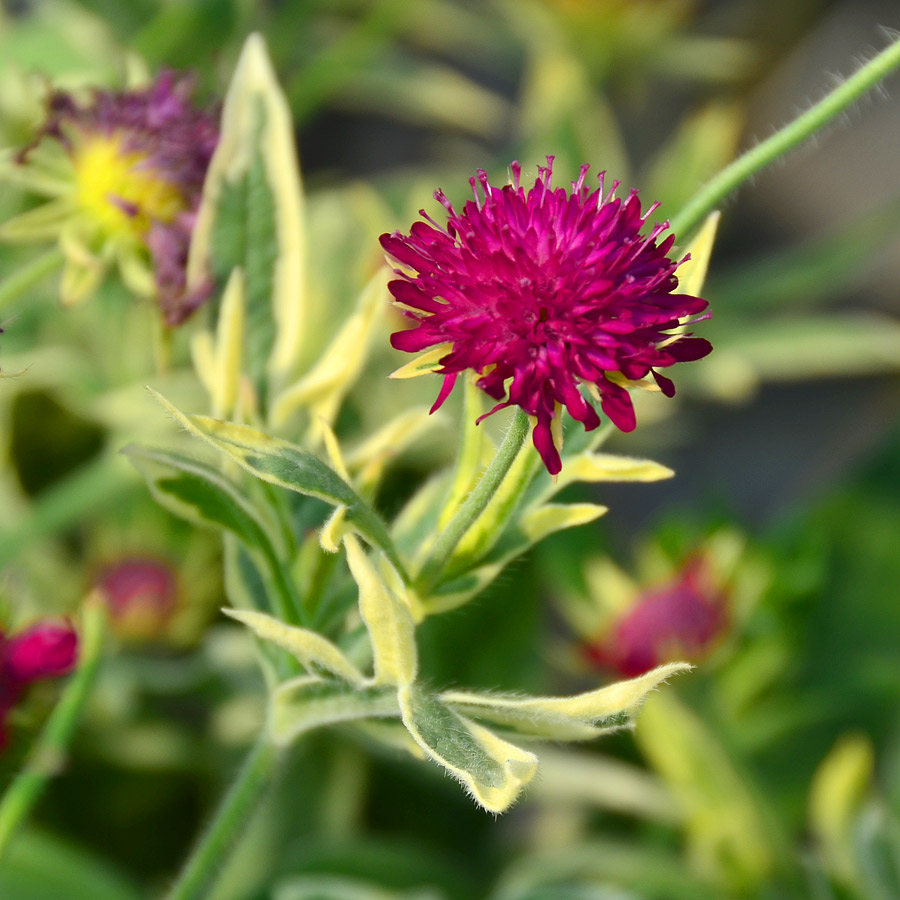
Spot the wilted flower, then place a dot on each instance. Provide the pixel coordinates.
(141, 594)
(45, 650)
(125, 171)
(538, 291)
(678, 620)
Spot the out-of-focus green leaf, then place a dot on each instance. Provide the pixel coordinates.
(786, 349)
(371, 456)
(651, 873)
(347, 57)
(39, 867)
(703, 144)
(730, 838)
(836, 795)
(806, 275)
(429, 95)
(251, 217)
(329, 887)
(876, 841)
(584, 780)
(572, 892)
(181, 33)
(560, 107)
(322, 389)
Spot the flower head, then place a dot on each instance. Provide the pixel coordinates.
(679, 619)
(133, 165)
(142, 596)
(539, 291)
(45, 650)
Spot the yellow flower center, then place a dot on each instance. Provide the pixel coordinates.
(119, 190)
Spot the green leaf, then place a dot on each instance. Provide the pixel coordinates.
(536, 524)
(388, 619)
(322, 389)
(726, 823)
(600, 467)
(628, 864)
(289, 466)
(580, 717)
(307, 702)
(702, 144)
(202, 495)
(330, 887)
(492, 770)
(533, 526)
(315, 652)
(837, 793)
(226, 373)
(692, 274)
(796, 347)
(251, 216)
(39, 867)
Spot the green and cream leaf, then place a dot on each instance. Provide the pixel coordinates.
(316, 653)
(580, 717)
(388, 619)
(491, 769)
(305, 703)
(255, 162)
(286, 465)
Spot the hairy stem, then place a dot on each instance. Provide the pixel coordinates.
(475, 503)
(784, 140)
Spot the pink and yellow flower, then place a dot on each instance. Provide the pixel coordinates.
(124, 171)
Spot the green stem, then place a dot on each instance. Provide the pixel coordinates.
(32, 273)
(49, 752)
(790, 136)
(475, 503)
(233, 815)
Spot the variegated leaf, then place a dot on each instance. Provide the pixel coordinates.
(492, 770)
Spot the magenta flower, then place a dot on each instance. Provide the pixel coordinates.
(540, 291)
(45, 650)
(678, 620)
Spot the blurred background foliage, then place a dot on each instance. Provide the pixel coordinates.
(773, 771)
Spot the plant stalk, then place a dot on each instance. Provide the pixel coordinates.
(475, 503)
(784, 140)
(233, 815)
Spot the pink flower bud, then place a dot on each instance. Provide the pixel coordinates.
(142, 595)
(679, 620)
